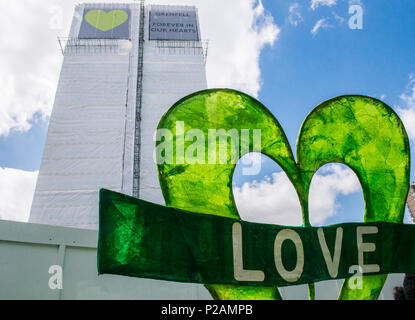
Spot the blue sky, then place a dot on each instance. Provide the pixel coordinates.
(302, 70)
(23, 150)
(289, 68)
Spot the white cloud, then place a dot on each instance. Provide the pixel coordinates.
(339, 19)
(408, 219)
(272, 200)
(355, 2)
(237, 32)
(408, 118)
(16, 193)
(321, 24)
(29, 62)
(330, 182)
(295, 17)
(30, 59)
(275, 201)
(409, 96)
(407, 112)
(316, 3)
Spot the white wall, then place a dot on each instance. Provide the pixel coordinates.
(28, 250)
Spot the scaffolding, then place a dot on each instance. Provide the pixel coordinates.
(76, 46)
(73, 46)
(182, 47)
(139, 99)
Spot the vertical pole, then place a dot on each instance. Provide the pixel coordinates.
(60, 262)
(139, 99)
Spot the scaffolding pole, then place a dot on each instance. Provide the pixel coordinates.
(139, 99)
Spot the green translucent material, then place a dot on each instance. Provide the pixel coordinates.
(207, 188)
(361, 132)
(366, 135)
(142, 239)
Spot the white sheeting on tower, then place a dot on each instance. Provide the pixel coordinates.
(90, 142)
(87, 134)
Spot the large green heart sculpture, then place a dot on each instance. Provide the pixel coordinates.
(360, 132)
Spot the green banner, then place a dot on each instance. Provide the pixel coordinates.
(141, 239)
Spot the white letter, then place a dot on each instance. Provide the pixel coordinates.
(244, 142)
(179, 142)
(252, 162)
(163, 153)
(356, 21)
(198, 146)
(248, 309)
(366, 247)
(288, 234)
(223, 136)
(239, 273)
(332, 264)
(55, 281)
(355, 281)
(55, 22)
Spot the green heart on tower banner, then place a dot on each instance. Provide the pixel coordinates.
(106, 21)
(200, 238)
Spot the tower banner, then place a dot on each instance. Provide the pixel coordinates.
(173, 23)
(102, 22)
(141, 239)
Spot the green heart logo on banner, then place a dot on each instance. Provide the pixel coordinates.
(106, 21)
(361, 132)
